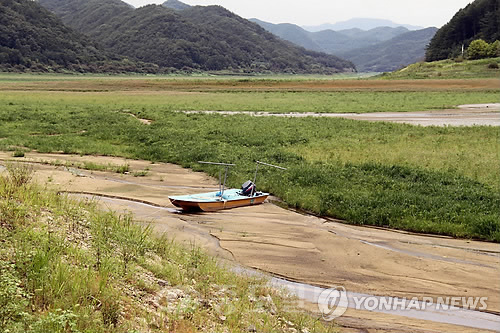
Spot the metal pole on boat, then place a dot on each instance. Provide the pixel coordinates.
(216, 163)
(271, 165)
(257, 168)
(224, 185)
(227, 165)
(254, 178)
(220, 181)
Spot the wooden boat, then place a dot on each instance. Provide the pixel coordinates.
(224, 198)
(213, 201)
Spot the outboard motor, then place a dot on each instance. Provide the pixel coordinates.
(248, 187)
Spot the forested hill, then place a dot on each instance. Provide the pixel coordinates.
(380, 49)
(393, 54)
(330, 41)
(176, 4)
(196, 38)
(33, 38)
(479, 20)
(86, 16)
(254, 46)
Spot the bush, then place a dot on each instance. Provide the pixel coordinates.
(18, 153)
(477, 49)
(494, 49)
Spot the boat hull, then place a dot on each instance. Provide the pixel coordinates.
(210, 202)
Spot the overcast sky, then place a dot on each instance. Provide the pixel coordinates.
(425, 13)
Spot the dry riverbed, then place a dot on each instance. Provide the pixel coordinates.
(464, 115)
(298, 247)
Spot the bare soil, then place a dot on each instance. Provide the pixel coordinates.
(296, 246)
(220, 84)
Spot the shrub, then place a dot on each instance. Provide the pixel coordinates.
(18, 153)
(480, 49)
(494, 49)
(477, 49)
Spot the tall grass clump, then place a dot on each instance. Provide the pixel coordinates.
(20, 174)
(18, 153)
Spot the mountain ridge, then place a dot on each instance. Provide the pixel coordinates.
(371, 50)
(209, 38)
(392, 54)
(360, 23)
(330, 41)
(33, 39)
(176, 5)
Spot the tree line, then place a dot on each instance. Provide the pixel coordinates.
(478, 20)
(33, 39)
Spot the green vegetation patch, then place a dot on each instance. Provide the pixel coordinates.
(442, 180)
(397, 197)
(45, 105)
(449, 69)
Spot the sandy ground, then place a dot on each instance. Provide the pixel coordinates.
(465, 115)
(299, 247)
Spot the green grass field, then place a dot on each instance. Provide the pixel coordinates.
(441, 180)
(446, 69)
(271, 101)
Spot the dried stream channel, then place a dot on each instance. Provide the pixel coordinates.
(307, 253)
(402, 307)
(421, 310)
(465, 115)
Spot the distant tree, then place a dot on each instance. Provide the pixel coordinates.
(217, 62)
(494, 49)
(478, 49)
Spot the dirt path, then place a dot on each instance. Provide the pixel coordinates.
(465, 115)
(299, 247)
